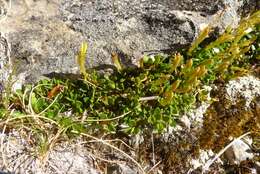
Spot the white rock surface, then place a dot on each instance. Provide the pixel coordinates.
(239, 151)
(247, 88)
(202, 159)
(18, 156)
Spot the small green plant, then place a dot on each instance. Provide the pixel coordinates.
(149, 97)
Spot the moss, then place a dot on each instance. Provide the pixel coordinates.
(224, 121)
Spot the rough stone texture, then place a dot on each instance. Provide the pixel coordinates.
(4, 60)
(45, 34)
(239, 151)
(246, 88)
(18, 156)
(249, 6)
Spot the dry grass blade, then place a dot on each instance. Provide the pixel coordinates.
(31, 111)
(51, 144)
(2, 146)
(115, 148)
(105, 160)
(30, 116)
(149, 98)
(113, 140)
(49, 105)
(159, 162)
(110, 119)
(210, 162)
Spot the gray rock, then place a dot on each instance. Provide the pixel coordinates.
(45, 35)
(121, 169)
(4, 61)
(240, 151)
(249, 6)
(19, 156)
(246, 88)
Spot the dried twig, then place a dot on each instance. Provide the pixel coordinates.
(109, 119)
(113, 147)
(210, 162)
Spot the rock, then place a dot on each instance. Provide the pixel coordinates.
(239, 151)
(121, 169)
(246, 88)
(202, 159)
(45, 35)
(249, 6)
(4, 60)
(19, 156)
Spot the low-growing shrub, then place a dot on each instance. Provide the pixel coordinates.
(150, 96)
